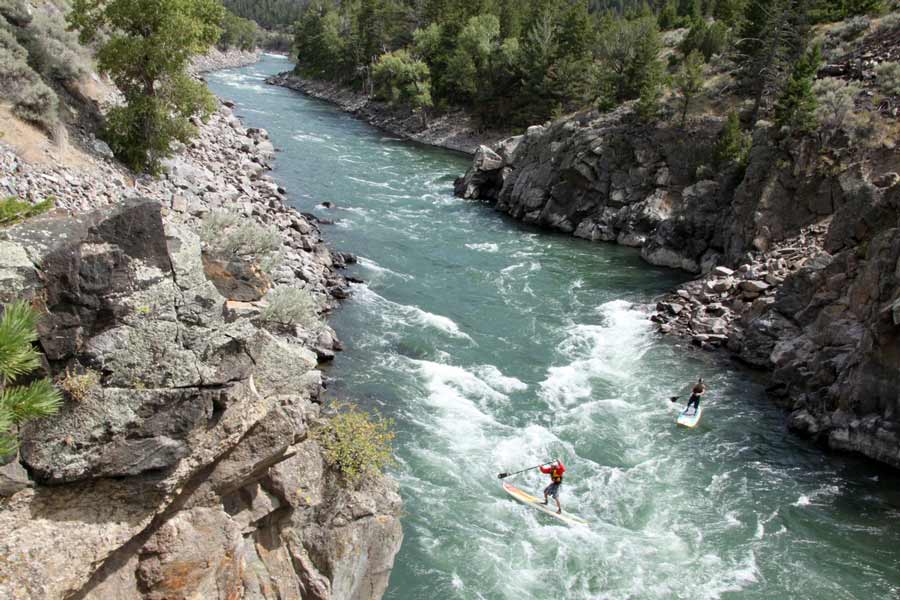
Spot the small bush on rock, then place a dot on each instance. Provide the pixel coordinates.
(79, 385)
(887, 77)
(834, 102)
(291, 306)
(18, 359)
(227, 235)
(356, 444)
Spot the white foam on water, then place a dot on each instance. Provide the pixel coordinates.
(511, 268)
(308, 137)
(802, 501)
(611, 352)
(500, 382)
(456, 582)
(484, 247)
(377, 184)
(371, 265)
(441, 322)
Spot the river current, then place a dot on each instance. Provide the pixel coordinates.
(495, 347)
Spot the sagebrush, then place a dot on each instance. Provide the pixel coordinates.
(227, 235)
(292, 306)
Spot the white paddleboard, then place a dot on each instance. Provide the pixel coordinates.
(550, 509)
(691, 419)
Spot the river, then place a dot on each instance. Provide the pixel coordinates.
(494, 347)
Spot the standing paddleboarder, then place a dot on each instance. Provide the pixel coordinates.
(698, 391)
(555, 471)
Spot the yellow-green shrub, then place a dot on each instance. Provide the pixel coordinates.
(356, 444)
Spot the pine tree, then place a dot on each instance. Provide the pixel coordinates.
(689, 81)
(18, 358)
(733, 144)
(796, 108)
(772, 37)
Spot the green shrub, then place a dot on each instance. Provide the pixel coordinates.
(18, 359)
(13, 210)
(79, 384)
(356, 444)
(835, 99)
(53, 51)
(32, 100)
(866, 129)
(227, 235)
(291, 306)
(887, 78)
(707, 39)
(852, 28)
(733, 145)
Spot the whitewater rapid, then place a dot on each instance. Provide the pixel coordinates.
(495, 347)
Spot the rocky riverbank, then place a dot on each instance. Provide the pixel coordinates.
(797, 259)
(183, 465)
(216, 59)
(454, 130)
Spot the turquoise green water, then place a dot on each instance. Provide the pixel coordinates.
(495, 347)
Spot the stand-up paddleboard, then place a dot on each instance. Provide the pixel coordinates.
(690, 419)
(529, 500)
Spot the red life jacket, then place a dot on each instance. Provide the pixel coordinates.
(556, 472)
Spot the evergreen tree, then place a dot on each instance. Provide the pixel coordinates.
(689, 81)
(18, 358)
(321, 44)
(796, 108)
(668, 16)
(149, 46)
(628, 52)
(733, 144)
(772, 37)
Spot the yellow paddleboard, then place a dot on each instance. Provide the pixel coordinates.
(538, 503)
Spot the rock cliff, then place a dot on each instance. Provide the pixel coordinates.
(796, 256)
(188, 469)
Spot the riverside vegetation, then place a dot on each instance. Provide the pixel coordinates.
(166, 433)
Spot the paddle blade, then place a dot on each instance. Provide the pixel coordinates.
(502, 475)
(674, 398)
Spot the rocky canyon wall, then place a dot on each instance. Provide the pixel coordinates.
(796, 255)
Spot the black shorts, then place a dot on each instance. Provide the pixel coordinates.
(552, 490)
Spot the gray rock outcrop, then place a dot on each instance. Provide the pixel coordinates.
(189, 471)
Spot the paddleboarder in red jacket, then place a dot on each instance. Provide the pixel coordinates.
(555, 471)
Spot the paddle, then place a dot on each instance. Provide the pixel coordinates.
(505, 475)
